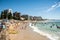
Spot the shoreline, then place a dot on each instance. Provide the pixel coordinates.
(35, 29)
(26, 34)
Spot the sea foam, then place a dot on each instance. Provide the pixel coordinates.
(43, 33)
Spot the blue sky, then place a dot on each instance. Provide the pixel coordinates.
(49, 9)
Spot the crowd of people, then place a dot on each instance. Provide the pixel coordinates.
(13, 25)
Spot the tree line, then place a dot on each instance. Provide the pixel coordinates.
(7, 14)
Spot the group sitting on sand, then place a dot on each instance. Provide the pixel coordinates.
(15, 25)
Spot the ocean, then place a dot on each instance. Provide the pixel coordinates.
(50, 28)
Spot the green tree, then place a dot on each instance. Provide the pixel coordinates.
(2, 15)
(25, 16)
(9, 15)
(6, 14)
(16, 16)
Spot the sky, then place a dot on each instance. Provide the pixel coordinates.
(47, 9)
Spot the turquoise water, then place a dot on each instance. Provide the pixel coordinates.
(50, 27)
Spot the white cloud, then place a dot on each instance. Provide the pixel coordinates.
(54, 7)
(58, 5)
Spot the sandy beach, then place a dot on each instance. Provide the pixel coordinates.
(25, 33)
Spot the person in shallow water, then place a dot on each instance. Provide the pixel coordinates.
(50, 26)
(58, 26)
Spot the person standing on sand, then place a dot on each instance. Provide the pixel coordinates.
(3, 32)
(1, 27)
(4, 26)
